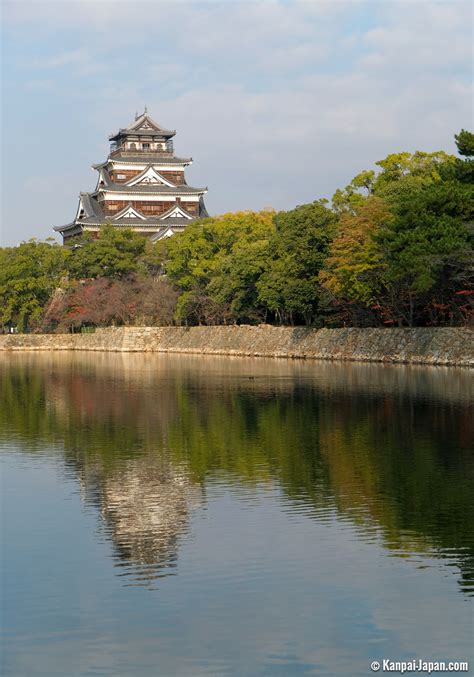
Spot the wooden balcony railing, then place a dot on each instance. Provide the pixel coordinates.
(141, 151)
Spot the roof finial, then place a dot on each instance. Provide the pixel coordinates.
(146, 109)
(136, 115)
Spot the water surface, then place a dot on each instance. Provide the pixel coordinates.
(184, 515)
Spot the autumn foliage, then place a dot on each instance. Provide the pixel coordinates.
(104, 302)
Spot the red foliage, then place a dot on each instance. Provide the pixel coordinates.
(103, 302)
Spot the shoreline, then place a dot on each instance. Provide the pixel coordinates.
(446, 346)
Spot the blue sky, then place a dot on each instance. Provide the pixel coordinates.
(278, 102)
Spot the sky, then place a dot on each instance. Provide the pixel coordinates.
(278, 102)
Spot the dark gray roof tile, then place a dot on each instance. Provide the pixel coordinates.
(144, 158)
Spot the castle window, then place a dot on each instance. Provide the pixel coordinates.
(146, 146)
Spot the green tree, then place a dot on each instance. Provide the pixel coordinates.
(465, 143)
(289, 284)
(405, 256)
(216, 263)
(348, 199)
(428, 251)
(398, 170)
(114, 254)
(426, 167)
(465, 168)
(28, 275)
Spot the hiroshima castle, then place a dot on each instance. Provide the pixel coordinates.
(140, 186)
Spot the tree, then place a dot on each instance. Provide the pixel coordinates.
(216, 263)
(354, 270)
(289, 284)
(426, 167)
(152, 261)
(428, 253)
(465, 143)
(403, 248)
(350, 198)
(114, 254)
(397, 171)
(28, 275)
(155, 302)
(104, 302)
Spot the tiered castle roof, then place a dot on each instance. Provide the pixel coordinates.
(141, 186)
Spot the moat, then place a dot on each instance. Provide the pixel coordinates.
(202, 515)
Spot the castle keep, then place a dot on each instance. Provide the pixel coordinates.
(140, 186)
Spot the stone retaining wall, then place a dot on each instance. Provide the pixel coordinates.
(441, 346)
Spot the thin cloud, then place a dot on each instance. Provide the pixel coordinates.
(82, 60)
(74, 56)
(39, 85)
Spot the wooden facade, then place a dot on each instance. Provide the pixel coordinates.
(124, 175)
(156, 208)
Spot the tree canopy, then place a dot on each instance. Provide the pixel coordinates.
(115, 254)
(395, 247)
(216, 263)
(29, 274)
(296, 253)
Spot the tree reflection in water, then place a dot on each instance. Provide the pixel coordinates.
(386, 447)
